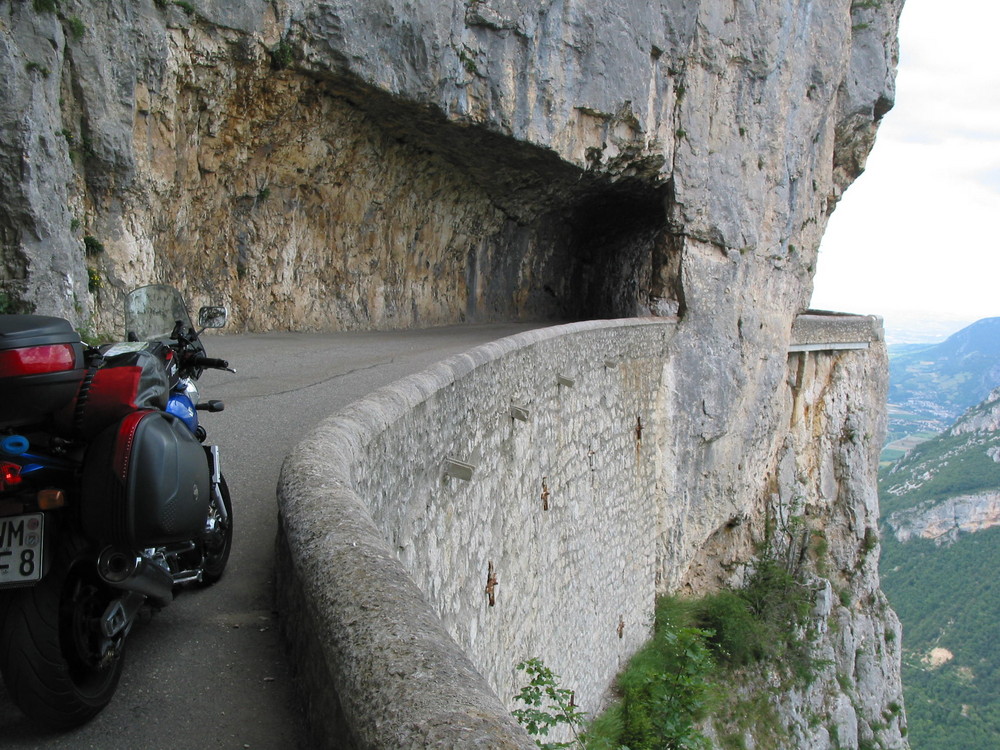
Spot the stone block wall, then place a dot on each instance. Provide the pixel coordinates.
(387, 554)
(523, 500)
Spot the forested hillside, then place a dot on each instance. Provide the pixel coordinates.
(939, 568)
(948, 598)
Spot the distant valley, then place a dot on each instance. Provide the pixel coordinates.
(909, 327)
(930, 385)
(939, 491)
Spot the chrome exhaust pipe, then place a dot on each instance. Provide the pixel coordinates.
(114, 566)
(131, 572)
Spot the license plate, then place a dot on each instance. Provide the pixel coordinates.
(21, 549)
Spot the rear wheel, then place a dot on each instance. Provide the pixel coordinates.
(59, 667)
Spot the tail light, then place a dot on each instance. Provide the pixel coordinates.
(37, 360)
(10, 475)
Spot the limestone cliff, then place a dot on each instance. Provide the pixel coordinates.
(335, 164)
(342, 164)
(943, 522)
(925, 499)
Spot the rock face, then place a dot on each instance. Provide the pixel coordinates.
(342, 164)
(943, 522)
(825, 512)
(337, 165)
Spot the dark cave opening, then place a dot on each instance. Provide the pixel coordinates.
(577, 243)
(615, 235)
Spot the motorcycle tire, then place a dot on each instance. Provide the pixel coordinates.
(217, 545)
(56, 663)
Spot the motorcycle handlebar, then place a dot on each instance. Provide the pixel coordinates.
(210, 362)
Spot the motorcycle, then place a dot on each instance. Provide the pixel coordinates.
(110, 500)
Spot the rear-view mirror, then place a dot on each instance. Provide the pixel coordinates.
(212, 316)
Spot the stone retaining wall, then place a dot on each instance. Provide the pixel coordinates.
(499, 506)
(508, 503)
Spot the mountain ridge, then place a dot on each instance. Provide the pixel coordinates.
(930, 385)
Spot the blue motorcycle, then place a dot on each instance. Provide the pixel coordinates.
(109, 497)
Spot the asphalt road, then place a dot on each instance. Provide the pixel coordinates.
(209, 671)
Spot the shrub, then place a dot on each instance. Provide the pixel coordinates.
(92, 246)
(281, 55)
(77, 28)
(93, 280)
(671, 684)
(546, 705)
(665, 690)
(738, 638)
(32, 65)
(773, 593)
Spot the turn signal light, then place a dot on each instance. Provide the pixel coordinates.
(10, 474)
(37, 360)
(51, 499)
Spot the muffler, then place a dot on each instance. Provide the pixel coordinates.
(131, 572)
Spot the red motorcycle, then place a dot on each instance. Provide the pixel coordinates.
(109, 497)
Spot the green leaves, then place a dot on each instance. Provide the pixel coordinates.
(548, 706)
(943, 603)
(667, 689)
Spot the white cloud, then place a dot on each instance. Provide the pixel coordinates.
(918, 231)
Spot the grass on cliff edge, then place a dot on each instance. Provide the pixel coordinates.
(685, 672)
(682, 675)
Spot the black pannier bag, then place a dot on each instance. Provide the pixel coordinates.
(146, 483)
(41, 367)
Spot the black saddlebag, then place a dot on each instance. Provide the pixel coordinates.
(41, 367)
(145, 483)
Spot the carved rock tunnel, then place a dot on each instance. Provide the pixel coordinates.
(409, 219)
(573, 244)
(313, 201)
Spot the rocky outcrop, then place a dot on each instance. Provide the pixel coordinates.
(957, 469)
(943, 522)
(984, 417)
(344, 164)
(336, 165)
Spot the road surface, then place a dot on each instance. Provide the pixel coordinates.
(209, 671)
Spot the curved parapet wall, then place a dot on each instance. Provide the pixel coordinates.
(499, 506)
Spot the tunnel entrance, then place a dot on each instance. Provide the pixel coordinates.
(616, 238)
(572, 243)
(324, 204)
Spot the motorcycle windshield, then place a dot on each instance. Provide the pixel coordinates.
(153, 312)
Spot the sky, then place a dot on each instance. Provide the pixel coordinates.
(916, 238)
